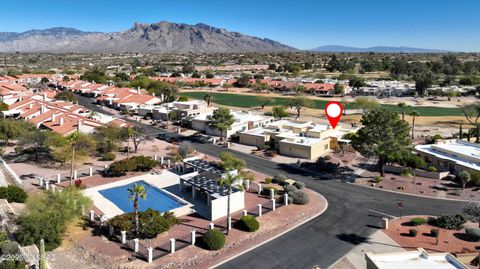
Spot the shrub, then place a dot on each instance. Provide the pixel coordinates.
(108, 156)
(152, 223)
(289, 188)
(432, 221)
(214, 239)
(412, 232)
(300, 185)
(268, 180)
(473, 232)
(434, 232)
(299, 197)
(247, 175)
(279, 178)
(266, 190)
(248, 224)
(327, 158)
(377, 179)
(13, 194)
(135, 163)
(431, 168)
(451, 222)
(406, 173)
(418, 221)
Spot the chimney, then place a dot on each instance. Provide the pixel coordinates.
(30, 106)
(161, 97)
(42, 109)
(45, 96)
(79, 124)
(53, 117)
(61, 121)
(138, 90)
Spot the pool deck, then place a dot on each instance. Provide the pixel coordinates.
(163, 180)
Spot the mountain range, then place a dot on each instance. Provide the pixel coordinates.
(162, 37)
(381, 49)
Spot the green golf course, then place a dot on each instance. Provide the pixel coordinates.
(240, 100)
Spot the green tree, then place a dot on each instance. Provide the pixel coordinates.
(464, 177)
(73, 148)
(244, 80)
(414, 114)
(472, 114)
(383, 135)
(264, 100)
(338, 89)
(230, 162)
(39, 142)
(222, 119)
(423, 80)
(108, 138)
(11, 129)
(3, 106)
(208, 97)
(278, 112)
(366, 104)
(66, 96)
(231, 181)
(134, 193)
(299, 102)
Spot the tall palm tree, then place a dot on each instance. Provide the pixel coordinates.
(136, 192)
(414, 114)
(403, 107)
(231, 181)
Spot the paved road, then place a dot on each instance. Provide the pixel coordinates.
(347, 222)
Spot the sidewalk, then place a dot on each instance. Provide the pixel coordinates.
(378, 242)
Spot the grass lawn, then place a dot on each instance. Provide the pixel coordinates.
(239, 100)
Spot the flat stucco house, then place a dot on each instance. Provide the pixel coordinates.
(451, 155)
(292, 138)
(243, 121)
(416, 259)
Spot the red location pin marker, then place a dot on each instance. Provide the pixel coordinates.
(334, 112)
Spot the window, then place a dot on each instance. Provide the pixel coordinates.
(326, 147)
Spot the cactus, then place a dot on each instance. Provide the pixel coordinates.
(43, 261)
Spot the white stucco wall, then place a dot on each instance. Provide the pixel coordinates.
(219, 206)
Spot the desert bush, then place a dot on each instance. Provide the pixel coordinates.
(214, 239)
(266, 190)
(377, 179)
(473, 232)
(300, 185)
(406, 173)
(299, 197)
(412, 232)
(13, 194)
(431, 168)
(434, 232)
(268, 180)
(451, 222)
(327, 158)
(432, 221)
(152, 223)
(249, 224)
(289, 188)
(135, 163)
(247, 175)
(108, 156)
(279, 178)
(418, 221)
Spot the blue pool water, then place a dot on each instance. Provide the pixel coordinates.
(156, 199)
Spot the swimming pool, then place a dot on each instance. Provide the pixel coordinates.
(156, 199)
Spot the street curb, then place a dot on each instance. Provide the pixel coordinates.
(276, 236)
(411, 194)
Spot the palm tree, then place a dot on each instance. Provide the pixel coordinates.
(138, 191)
(129, 134)
(403, 107)
(208, 98)
(231, 181)
(414, 114)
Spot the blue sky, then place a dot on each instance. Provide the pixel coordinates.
(439, 24)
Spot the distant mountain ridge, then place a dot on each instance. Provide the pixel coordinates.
(381, 49)
(162, 37)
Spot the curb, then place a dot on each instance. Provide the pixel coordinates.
(412, 194)
(276, 236)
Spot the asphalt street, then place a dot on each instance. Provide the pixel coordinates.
(353, 214)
